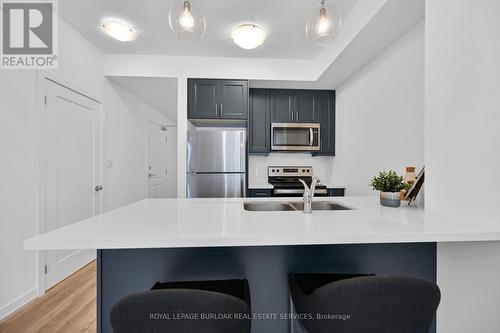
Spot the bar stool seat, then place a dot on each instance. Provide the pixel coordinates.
(364, 304)
(309, 282)
(218, 306)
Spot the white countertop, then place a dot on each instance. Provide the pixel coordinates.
(164, 223)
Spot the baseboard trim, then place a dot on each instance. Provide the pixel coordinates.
(17, 303)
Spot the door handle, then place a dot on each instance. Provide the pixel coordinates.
(311, 137)
(215, 107)
(220, 112)
(292, 116)
(297, 116)
(98, 188)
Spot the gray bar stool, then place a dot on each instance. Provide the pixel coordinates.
(364, 304)
(221, 306)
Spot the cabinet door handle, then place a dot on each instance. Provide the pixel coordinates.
(220, 113)
(297, 116)
(292, 116)
(215, 107)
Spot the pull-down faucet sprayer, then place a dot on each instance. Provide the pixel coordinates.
(309, 194)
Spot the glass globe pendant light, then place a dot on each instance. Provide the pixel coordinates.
(323, 25)
(186, 20)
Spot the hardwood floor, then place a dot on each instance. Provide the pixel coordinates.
(68, 307)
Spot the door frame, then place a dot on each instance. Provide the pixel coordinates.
(40, 153)
(161, 127)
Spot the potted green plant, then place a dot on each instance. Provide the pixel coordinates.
(390, 185)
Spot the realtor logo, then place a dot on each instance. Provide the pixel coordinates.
(29, 34)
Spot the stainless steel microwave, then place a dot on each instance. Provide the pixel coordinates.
(295, 137)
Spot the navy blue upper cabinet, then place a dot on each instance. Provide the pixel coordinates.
(326, 115)
(282, 110)
(217, 99)
(233, 99)
(306, 106)
(294, 106)
(203, 99)
(259, 122)
(285, 106)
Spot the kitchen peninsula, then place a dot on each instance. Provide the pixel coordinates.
(185, 239)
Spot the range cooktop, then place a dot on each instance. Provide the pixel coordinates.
(285, 180)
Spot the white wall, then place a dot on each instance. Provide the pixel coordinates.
(182, 129)
(380, 116)
(125, 118)
(468, 275)
(125, 137)
(126, 146)
(462, 153)
(463, 101)
(17, 176)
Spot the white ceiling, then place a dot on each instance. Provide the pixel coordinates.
(371, 28)
(158, 92)
(284, 22)
(393, 21)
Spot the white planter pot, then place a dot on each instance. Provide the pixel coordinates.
(390, 199)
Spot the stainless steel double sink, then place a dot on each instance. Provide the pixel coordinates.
(291, 206)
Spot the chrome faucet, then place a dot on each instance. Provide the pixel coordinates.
(309, 194)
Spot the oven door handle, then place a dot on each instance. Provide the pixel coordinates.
(284, 191)
(311, 136)
(298, 191)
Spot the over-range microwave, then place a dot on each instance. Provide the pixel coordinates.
(295, 137)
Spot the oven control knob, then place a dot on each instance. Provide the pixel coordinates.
(273, 170)
(303, 170)
(308, 170)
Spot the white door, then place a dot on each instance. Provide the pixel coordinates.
(157, 166)
(73, 172)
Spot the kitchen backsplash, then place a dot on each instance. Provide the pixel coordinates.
(257, 165)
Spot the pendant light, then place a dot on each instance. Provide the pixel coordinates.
(323, 24)
(186, 20)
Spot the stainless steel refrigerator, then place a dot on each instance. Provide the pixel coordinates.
(216, 163)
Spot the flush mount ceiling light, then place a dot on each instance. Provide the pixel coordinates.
(323, 25)
(119, 31)
(248, 36)
(186, 20)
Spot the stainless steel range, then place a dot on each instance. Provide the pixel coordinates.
(285, 181)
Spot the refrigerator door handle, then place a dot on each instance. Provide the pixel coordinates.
(243, 187)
